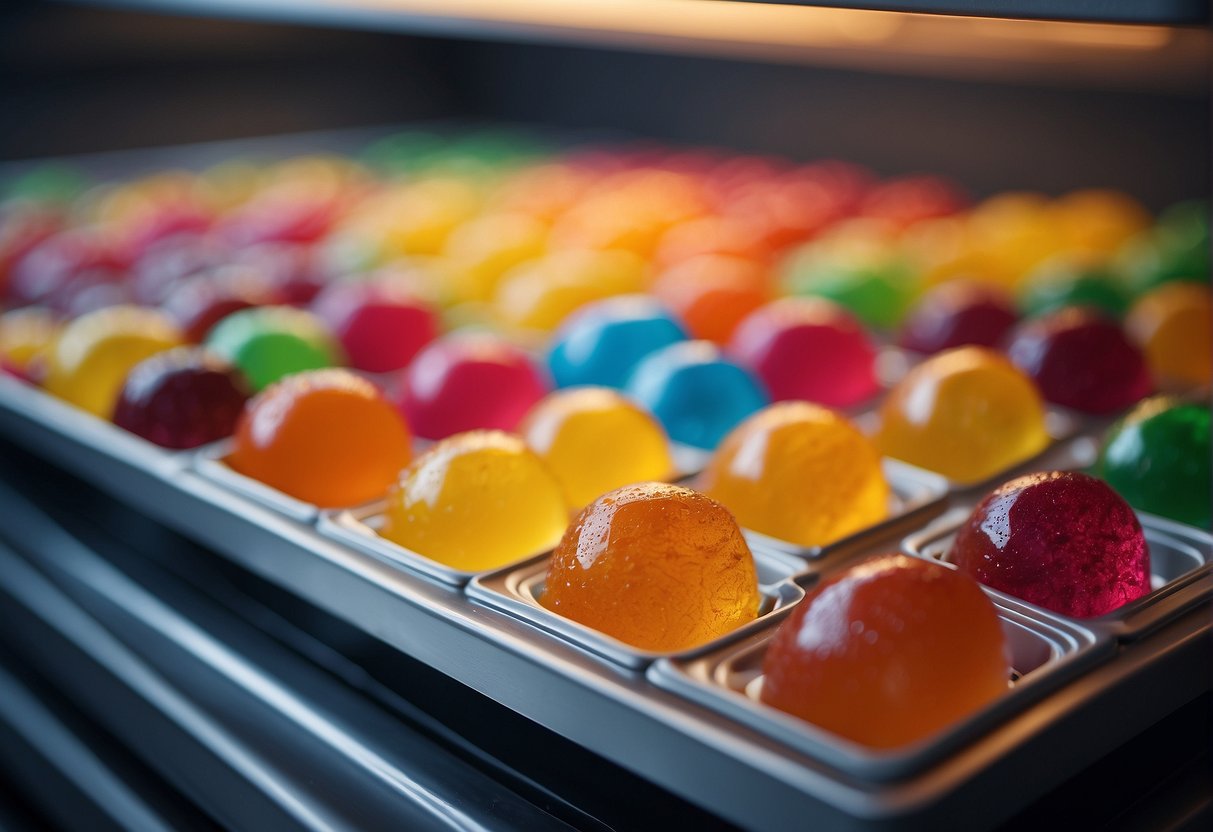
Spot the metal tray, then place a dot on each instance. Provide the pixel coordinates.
(915, 493)
(696, 752)
(1181, 567)
(82, 426)
(517, 589)
(1046, 651)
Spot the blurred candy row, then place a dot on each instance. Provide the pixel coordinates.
(496, 228)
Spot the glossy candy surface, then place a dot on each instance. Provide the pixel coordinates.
(602, 343)
(887, 652)
(966, 413)
(469, 381)
(271, 342)
(595, 440)
(181, 398)
(381, 328)
(1158, 458)
(93, 354)
(656, 566)
(1062, 540)
(327, 437)
(1081, 360)
(696, 393)
(800, 473)
(1173, 325)
(958, 314)
(476, 501)
(810, 349)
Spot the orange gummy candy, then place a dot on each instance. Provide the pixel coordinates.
(327, 437)
(654, 565)
(887, 652)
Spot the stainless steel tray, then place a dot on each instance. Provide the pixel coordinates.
(1045, 653)
(722, 764)
(517, 590)
(1181, 572)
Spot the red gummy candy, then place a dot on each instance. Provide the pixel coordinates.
(810, 349)
(381, 327)
(1062, 540)
(1081, 360)
(182, 398)
(466, 382)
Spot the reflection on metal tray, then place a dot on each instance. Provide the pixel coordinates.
(914, 493)
(83, 426)
(517, 590)
(1045, 653)
(1181, 572)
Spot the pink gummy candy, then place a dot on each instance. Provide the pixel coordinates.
(810, 349)
(1062, 540)
(464, 382)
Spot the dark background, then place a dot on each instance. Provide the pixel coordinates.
(76, 79)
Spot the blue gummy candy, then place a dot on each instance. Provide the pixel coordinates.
(696, 393)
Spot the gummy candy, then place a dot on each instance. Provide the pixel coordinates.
(93, 354)
(181, 398)
(1173, 325)
(327, 437)
(1062, 540)
(270, 342)
(957, 314)
(1157, 458)
(470, 380)
(476, 501)
(602, 343)
(1081, 360)
(696, 393)
(594, 440)
(888, 652)
(657, 566)
(800, 473)
(966, 413)
(810, 349)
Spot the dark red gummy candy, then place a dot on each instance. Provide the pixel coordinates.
(1081, 360)
(958, 314)
(182, 398)
(1062, 540)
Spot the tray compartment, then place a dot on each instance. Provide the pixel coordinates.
(517, 589)
(1045, 652)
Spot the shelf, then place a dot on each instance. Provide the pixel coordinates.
(1137, 43)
